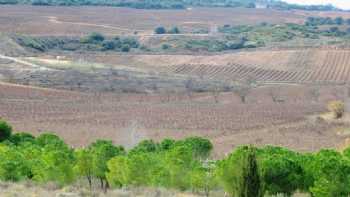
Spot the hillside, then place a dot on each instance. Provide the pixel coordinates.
(180, 4)
(185, 98)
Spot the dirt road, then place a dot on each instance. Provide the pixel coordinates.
(143, 33)
(17, 60)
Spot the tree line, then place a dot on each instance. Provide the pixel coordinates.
(171, 4)
(316, 21)
(175, 164)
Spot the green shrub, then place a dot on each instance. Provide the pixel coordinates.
(31, 43)
(94, 37)
(132, 42)
(165, 46)
(108, 45)
(160, 30)
(5, 130)
(125, 48)
(174, 30)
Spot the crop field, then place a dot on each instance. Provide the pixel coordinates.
(288, 66)
(83, 20)
(296, 66)
(81, 118)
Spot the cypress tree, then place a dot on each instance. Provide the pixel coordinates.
(251, 182)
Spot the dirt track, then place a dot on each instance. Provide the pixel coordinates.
(53, 19)
(143, 33)
(17, 60)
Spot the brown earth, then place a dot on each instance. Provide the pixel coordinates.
(126, 119)
(41, 20)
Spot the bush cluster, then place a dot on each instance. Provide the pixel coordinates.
(270, 33)
(171, 4)
(315, 21)
(163, 30)
(99, 41)
(92, 42)
(184, 165)
(215, 45)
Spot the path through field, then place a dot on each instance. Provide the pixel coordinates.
(54, 19)
(17, 60)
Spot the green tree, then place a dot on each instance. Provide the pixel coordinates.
(136, 169)
(56, 166)
(174, 30)
(178, 163)
(200, 147)
(339, 21)
(95, 37)
(84, 166)
(331, 174)
(108, 45)
(5, 130)
(165, 46)
(239, 173)
(130, 41)
(125, 48)
(13, 166)
(202, 178)
(20, 138)
(102, 151)
(118, 174)
(282, 173)
(160, 30)
(145, 146)
(166, 144)
(32, 156)
(55, 162)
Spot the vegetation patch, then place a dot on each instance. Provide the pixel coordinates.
(91, 42)
(170, 4)
(183, 165)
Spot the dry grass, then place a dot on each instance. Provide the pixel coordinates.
(26, 189)
(31, 190)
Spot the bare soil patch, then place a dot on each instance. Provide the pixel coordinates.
(126, 119)
(41, 20)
